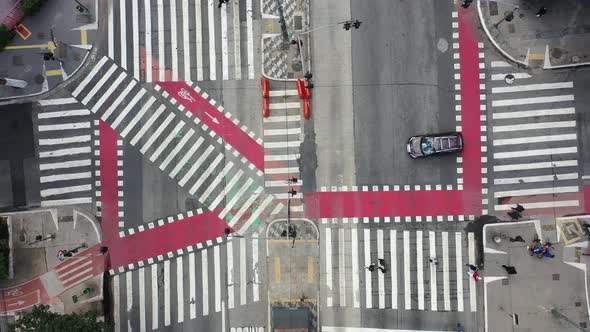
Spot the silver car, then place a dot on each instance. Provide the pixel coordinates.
(428, 145)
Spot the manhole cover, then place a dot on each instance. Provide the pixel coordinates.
(505, 282)
(509, 78)
(508, 15)
(578, 304)
(39, 79)
(556, 53)
(556, 276)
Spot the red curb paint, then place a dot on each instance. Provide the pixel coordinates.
(587, 199)
(226, 129)
(109, 188)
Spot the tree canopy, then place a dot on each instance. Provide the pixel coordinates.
(40, 319)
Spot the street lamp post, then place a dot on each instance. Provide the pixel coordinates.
(41, 238)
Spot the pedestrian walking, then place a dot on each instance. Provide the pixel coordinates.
(542, 11)
(371, 267)
(535, 248)
(514, 215)
(509, 269)
(517, 238)
(381, 262)
(433, 260)
(474, 275)
(472, 267)
(519, 208)
(221, 2)
(546, 251)
(383, 269)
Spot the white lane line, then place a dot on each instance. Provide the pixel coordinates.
(114, 105)
(107, 94)
(177, 149)
(534, 113)
(535, 139)
(128, 108)
(66, 177)
(196, 166)
(501, 77)
(135, 15)
(533, 87)
(282, 170)
(129, 296)
(57, 101)
(499, 64)
(65, 164)
(141, 299)
(167, 141)
(64, 152)
(192, 285)
(236, 26)
(70, 201)
(161, 40)
(179, 290)
(356, 288)
(62, 114)
(541, 165)
(279, 145)
(186, 157)
(433, 267)
(284, 105)
(407, 281)
(174, 39)
(64, 126)
(230, 275)
(459, 269)
(539, 178)
(64, 140)
(90, 76)
(329, 282)
(217, 277)
(205, 175)
(368, 279)
(145, 127)
(285, 131)
(148, 40)
(420, 269)
(199, 40)
(250, 36)
(99, 84)
(166, 292)
(214, 184)
(537, 191)
(534, 126)
(341, 268)
(116, 303)
(539, 205)
(283, 93)
(381, 276)
(65, 190)
(205, 282)
(285, 118)
(534, 100)
(111, 33)
(538, 152)
(155, 305)
(393, 267)
(256, 214)
(471, 248)
(446, 282)
(124, 29)
(157, 133)
(243, 281)
(211, 27)
(186, 47)
(235, 198)
(138, 116)
(224, 47)
(255, 268)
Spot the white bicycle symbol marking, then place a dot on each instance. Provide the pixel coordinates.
(14, 292)
(184, 94)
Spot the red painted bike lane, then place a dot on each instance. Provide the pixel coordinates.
(467, 201)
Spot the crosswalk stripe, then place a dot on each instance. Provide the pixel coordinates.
(214, 184)
(368, 279)
(65, 152)
(90, 76)
(538, 205)
(539, 165)
(217, 277)
(237, 51)
(533, 87)
(380, 276)
(106, 95)
(116, 303)
(256, 213)
(206, 174)
(500, 77)
(230, 275)
(177, 149)
(499, 64)
(471, 249)
(141, 273)
(155, 306)
(186, 157)
(540, 178)
(534, 113)
(224, 47)
(99, 84)
(186, 49)
(180, 289)
(128, 108)
(57, 101)
(62, 114)
(407, 281)
(235, 198)
(284, 105)
(446, 281)
(69, 201)
(278, 145)
(199, 40)
(250, 36)
(393, 267)
(205, 282)
(157, 133)
(147, 125)
(243, 281)
(65, 177)
(118, 101)
(534, 100)
(255, 287)
(283, 93)
(535, 139)
(329, 286)
(138, 116)
(64, 140)
(65, 164)
(129, 297)
(65, 190)
(174, 39)
(166, 141)
(123, 36)
(64, 126)
(341, 268)
(534, 126)
(196, 166)
(420, 269)
(111, 32)
(212, 54)
(536, 191)
(161, 39)
(459, 269)
(148, 40)
(356, 301)
(285, 131)
(537, 152)
(433, 290)
(281, 183)
(193, 285)
(282, 170)
(167, 292)
(286, 118)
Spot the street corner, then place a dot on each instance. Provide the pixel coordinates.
(84, 297)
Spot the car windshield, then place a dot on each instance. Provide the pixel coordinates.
(426, 145)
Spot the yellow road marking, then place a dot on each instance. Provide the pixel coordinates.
(309, 269)
(278, 270)
(536, 56)
(54, 72)
(293, 300)
(83, 37)
(49, 45)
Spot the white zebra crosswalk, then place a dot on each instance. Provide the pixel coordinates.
(533, 142)
(191, 40)
(425, 270)
(64, 137)
(189, 287)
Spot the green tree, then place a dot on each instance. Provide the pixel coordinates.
(31, 7)
(5, 36)
(40, 319)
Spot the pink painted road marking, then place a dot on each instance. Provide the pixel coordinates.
(427, 202)
(155, 67)
(217, 121)
(109, 188)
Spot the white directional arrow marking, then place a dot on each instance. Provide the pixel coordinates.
(212, 118)
(16, 303)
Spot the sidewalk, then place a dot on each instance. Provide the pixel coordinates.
(547, 294)
(560, 38)
(58, 28)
